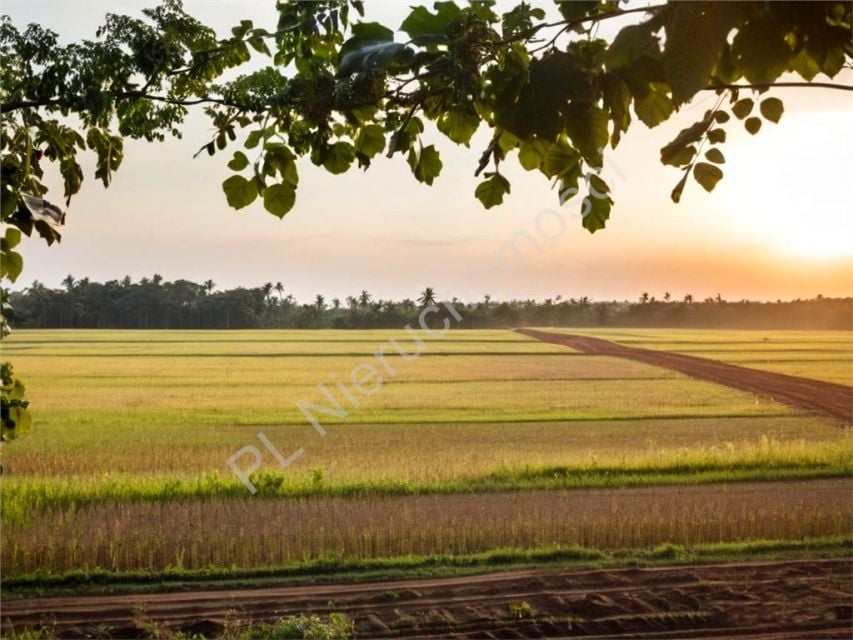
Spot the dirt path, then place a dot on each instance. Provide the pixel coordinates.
(824, 398)
(766, 600)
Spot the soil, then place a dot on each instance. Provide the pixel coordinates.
(816, 396)
(770, 600)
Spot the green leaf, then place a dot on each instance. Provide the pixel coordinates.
(805, 64)
(551, 82)
(679, 188)
(371, 48)
(681, 157)
(491, 191)
(587, 129)
(426, 28)
(12, 265)
(629, 45)
(596, 206)
(707, 175)
(279, 199)
(772, 109)
(338, 157)
(560, 159)
(695, 36)
(280, 158)
(22, 421)
(252, 139)
(760, 48)
(426, 165)
(721, 117)
(717, 136)
(655, 106)
(239, 191)
(715, 155)
(459, 125)
(753, 125)
(370, 140)
(531, 153)
(12, 237)
(238, 162)
(742, 108)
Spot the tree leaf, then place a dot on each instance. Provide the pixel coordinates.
(560, 159)
(426, 28)
(707, 175)
(742, 108)
(239, 191)
(491, 191)
(12, 237)
(371, 48)
(338, 157)
(695, 37)
(717, 136)
(679, 188)
(12, 265)
(550, 84)
(655, 106)
(772, 109)
(596, 206)
(715, 155)
(587, 129)
(279, 199)
(426, 165)
(370, 140)
(459, 125)
(760, 48)
(753, 125)
(629, 45)
(531, 153)
(238, 162)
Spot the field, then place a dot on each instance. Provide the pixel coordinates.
(822, 355)
(475, 442)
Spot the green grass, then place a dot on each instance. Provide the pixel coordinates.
(763, 461)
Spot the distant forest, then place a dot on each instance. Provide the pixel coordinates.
(153, 303)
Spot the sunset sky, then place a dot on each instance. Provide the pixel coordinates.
(779, 225)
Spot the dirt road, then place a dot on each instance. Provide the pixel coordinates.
(763, 600)
(816, 396)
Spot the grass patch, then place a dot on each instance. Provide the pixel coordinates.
(331, 568)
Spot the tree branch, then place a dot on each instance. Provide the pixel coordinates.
(773, 85)
(128, 95)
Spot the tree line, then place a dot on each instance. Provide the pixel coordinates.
(152, 303)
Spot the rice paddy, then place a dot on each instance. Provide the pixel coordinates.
(483, 440)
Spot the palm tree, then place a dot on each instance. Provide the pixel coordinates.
(126, 281)
(666, 296)
(364, 298)
(352, 302)
(68, 283)
(267, 289)
(688, 299)
(336, 303)
(157, 279)
(427, 297)
(208, 286)
(279, 289)
(320, 302)
(644, 298)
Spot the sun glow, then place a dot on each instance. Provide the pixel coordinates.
(776, 205)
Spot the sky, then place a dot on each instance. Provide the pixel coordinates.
(779, 225)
